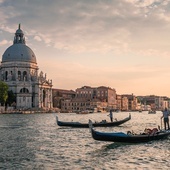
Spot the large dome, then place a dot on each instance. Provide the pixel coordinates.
(19, 52)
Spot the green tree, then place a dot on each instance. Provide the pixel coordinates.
(11, 98)
(3, 92)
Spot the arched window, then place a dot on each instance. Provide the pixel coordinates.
(24, 90)
(19, 75)
(6, 75)
(25, 76)
(12, 76)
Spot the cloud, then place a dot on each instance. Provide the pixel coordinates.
(7, 29)
(37, 38)
(78, 26)
(105, 38)
(4, 42)
(1, 1)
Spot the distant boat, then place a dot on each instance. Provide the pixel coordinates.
(84, 112)
(13, 112)
(151, 111)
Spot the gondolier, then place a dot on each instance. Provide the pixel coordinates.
(111, 115)
(166, 118)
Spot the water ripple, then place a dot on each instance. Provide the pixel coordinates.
(36, 142)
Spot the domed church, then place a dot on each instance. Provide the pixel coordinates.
(20, 71)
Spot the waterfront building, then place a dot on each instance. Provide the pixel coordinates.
(124, 103)
(103, 99)
(86, 92)
(166, 103)
(60, 95)
(81, 104)
(19, 70)
(118, 102)
(132, 102)
(91, 98)
(107, 94)
(155, 102)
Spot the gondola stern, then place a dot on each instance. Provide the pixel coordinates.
(57, 121)
(91, 129)
(90, 126)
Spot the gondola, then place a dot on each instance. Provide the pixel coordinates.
(127, 138)
(152, 112)
(97, 124)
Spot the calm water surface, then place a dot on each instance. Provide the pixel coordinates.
(34, 141)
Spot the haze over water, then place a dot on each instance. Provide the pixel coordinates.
(35, 141)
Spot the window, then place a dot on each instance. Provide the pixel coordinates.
(19, 75)
(6, 75)
(24, 90)
(25, 76)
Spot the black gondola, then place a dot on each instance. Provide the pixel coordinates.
(127, 138)
(97, 124)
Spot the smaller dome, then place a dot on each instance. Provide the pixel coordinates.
(19, 31)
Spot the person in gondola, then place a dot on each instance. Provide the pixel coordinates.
(111, 115)
(166, 118)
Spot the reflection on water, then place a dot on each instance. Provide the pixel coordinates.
(116, 145)
(36, 142)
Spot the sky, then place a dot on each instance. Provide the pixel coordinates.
(122, 44)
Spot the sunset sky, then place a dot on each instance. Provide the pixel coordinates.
(122, 44)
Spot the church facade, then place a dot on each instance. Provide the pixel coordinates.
(20, 71)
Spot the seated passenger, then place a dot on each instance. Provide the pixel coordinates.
(147, 131)
(154, 131)
(150, 131)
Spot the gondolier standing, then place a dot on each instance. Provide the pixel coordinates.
(111, 115)
(166, 118)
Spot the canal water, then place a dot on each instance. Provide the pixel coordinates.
(34, 141)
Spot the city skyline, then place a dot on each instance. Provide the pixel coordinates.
(118, 44)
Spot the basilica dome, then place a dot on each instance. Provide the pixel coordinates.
(19, 51)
